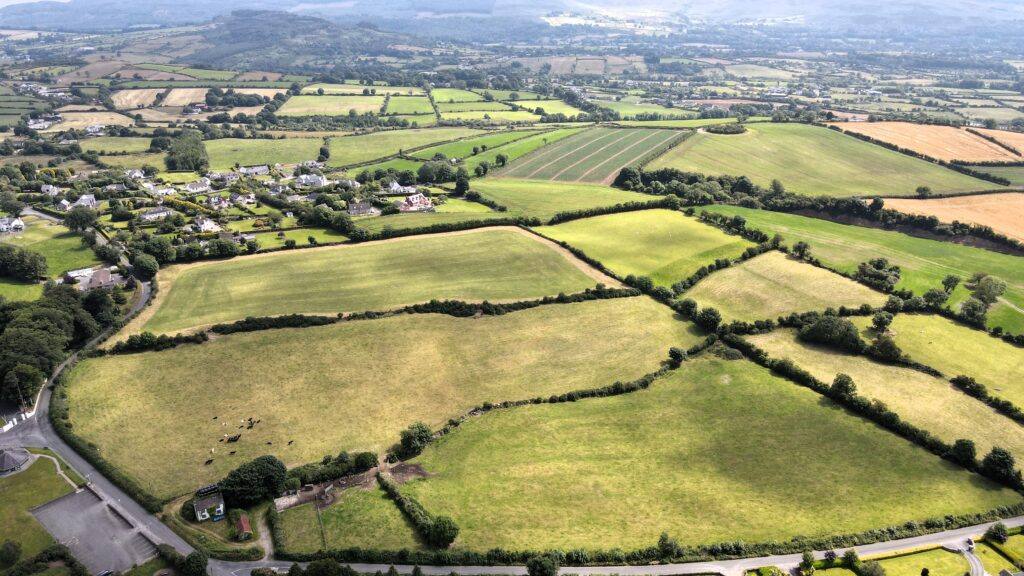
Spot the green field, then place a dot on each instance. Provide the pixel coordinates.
(424, 219)
(813, 161)
(116, 144)
(594, 155)
(664, 245)
(352, 385)
(464, 148)
(1015, 174)
(550, 107)
(924, 262)
(445, 107)
(62, 248)
(631, 106)
(773, 285)
(957, 350)
(398, 164)
(459, 206)
(363, 277)
(300, 235)
(347, 150)
(492, 116)
(358, 89)
(227, 153)
(454, 95)
(520, 148)
(305, 105)
(938, 562)
(922, 400)
(409, 105)
(711, 460)
(34, 486)
(359, 519)
(136, 160)
(543, 198)
(506, 95)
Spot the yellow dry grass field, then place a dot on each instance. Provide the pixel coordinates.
(79, 120)
(185, 96)
(268, 92)
(143, 74)
(1014, 139)
(941, 142)
(127, 99)
(1004, 213)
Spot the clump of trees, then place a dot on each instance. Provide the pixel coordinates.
(879, 274)
(21, 264)
(833, 331)
(253, 482)
(187, 152)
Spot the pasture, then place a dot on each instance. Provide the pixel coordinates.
(519, 148)
(547, 107)
(813, 161)
(107, 144)
(1015, 174)
(956, 350)
(305, 105)
(510, 95)
(543, 199)
(925, 401)
(349, 386)
(464, 148)
(664, 245)
(941, 142)
(1004, 213)
(593, 155)
(362, 518)
(773, 285)
(469, 106)
(377, 276)
(424, 219)
(711, 460)
(454, 95)
(346, 150)
(409, 105)
(924, 263)
(226, 153)
(492, 116)
(336, 89)
(62, 248)
(631, 106)
(33, 486)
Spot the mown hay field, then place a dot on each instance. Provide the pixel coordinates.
(409, 105)
(941, 142)
(924, 263)
(664, 245)
(1004, 213)
(550, 107)
(127, 99)
(1012, 139)
(358, 89)
(349, 386)
(116, 144)
(520, 148)
(185, 96)
(717, 451)
(956, 350)
(226, 153)
(925, 401)
(80, 120)
(347, 150)
(480, 265)
(593, 155)
(334, 105)
(814, 161)
(544, 198)
(773, 285)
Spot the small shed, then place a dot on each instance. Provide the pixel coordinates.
(243, 528)
(13, 459)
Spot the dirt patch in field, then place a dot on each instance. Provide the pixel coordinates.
(1004, 213)
(941, 142)
(404, 471)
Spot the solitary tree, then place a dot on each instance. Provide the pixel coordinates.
(949, 283)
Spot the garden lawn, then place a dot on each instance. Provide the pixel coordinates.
(485, 264)
(924, 263)
(62, 248)
(938, 562)
(350, 386)
(464, 148)
(814, 161)
(773, 285)
(358, 519)
(33, 486)
(664, 245)
(116, 144)
(957, 350)
(544, 198)
(707, 454)
(305, 105)
(135, 160)
(930, 403)
(347, 150)
(20, 291)
(226, 153)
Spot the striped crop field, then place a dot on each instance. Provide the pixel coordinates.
(594, 155)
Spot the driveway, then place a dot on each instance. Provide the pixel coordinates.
(97, 535)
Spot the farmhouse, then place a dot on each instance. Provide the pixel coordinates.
(208, 504)
(254, 170)
(94, 130)
(115, 187)
(135, 174)
(362, 208)
(396, 189)
(201, 185)
(12, 225)
(416, 203)
(13, 459)
(224, 177)
(161, 192)
(312, 164)
(87, 200)
(154, 214)
(278, 189)
(204, 224)
(39, 124)
(314, 180)
(218, 202)
(64, 206)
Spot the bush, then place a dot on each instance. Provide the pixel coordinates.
(254, 482)
(187, 510)
(10, 551)
(997, 533)
(542, 566)
(443, 532)
(414, 439)
(833, 331)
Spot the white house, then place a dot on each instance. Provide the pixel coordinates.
(277, 189)
(218, 202)
(87, 200)
(243, 198)
(50, 190)
(165, 191)
(254, 170)
(201, 185)
(135, 174)
(314, 180)
(154, 214)
(64, 206)
(416, 203)
(39, 124)
(396, 188)
(204, 224)
(94, 130)
(12, 225)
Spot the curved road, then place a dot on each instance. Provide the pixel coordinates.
(38, 432)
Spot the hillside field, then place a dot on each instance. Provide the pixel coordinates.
(594, 155)
(664, 245)
(305, 105)
(62, 248)
(773, 284)
(941, 142)
(1004, 213)
(377, 276)
(226, 153)
(349, 386)
(543, 199)
(813, 161)
(924, 262)
(347, 150)
(711, 460)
